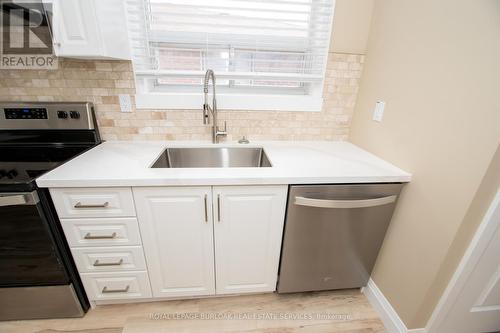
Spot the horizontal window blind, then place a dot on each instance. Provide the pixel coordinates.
(266, 43)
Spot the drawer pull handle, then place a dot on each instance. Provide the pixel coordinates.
(118, 263)
(105, 290)
(80, 205)
(89, 236)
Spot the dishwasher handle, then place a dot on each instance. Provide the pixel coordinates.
(322, 203)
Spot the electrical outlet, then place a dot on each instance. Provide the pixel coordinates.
(125, 103)
(378, 112)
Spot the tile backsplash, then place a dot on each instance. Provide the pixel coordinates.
(100, 82)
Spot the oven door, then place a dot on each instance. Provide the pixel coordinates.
(28, 255)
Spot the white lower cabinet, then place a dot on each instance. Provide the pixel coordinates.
(204, 241)
(248, 236)
(177, 241)
(177, 234)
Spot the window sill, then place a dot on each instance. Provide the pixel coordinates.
(184, 101)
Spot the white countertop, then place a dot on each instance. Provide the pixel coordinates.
(127, 163)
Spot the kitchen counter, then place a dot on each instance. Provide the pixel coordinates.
(124, 163)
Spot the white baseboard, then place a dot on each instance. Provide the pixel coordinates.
(387, 314)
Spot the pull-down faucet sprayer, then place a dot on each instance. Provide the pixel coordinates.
(207, 110)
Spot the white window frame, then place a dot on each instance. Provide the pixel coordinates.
(147, 98)
(245, 102)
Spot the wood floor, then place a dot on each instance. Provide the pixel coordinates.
(345, 311)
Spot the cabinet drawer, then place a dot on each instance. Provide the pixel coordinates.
(101, 232)
(116, 285)
(93, 202)
(118, 258)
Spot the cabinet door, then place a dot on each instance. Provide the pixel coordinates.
(248, 228)
(177, 234)
(75, 27)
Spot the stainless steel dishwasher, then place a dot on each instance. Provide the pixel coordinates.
(333, 234)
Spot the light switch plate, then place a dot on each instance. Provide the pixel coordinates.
(378, 112)
(125, 103)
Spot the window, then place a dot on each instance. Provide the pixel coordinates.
(266, 54)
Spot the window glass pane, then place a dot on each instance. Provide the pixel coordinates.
(179, 59)
(257, 46)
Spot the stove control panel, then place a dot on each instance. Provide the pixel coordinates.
(46, 115)
(25, 113)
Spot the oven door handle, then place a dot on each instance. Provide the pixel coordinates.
(18, 199)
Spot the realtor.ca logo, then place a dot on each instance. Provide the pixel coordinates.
(26, 40)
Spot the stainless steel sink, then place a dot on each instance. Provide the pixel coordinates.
(216, 157)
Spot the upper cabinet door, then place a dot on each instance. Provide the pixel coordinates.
(90, 29)
(248, 222)
(75, 27)
(177, 233)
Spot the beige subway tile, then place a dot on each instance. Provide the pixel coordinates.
(124, 84)
(102, 66)
(106, 122)
(110, 99)
(76, 64)
(40, 83)
(112, 75)
(122, 66)
(94, 75)
(103, 83)
(45, 98)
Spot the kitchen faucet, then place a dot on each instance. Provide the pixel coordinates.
(216, 132)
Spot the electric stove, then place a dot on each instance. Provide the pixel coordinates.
(38, 277)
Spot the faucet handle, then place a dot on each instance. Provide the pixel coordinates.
(225, 128)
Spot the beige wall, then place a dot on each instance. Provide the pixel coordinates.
(351, 26)
(436, 64)
(475, 213)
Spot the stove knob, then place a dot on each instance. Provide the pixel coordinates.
(74, 114)
(62, 114)
(12, 174)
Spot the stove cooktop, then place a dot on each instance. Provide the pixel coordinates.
(20, 166)
(36, 137)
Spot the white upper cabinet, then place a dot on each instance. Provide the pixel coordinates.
(90, 29)
(177, 231)
(248, 231)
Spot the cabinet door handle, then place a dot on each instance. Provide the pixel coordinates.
(80, 205)
(218, 207)
(206, 209)
(89, 236)
(105, 290)
(118, 263)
